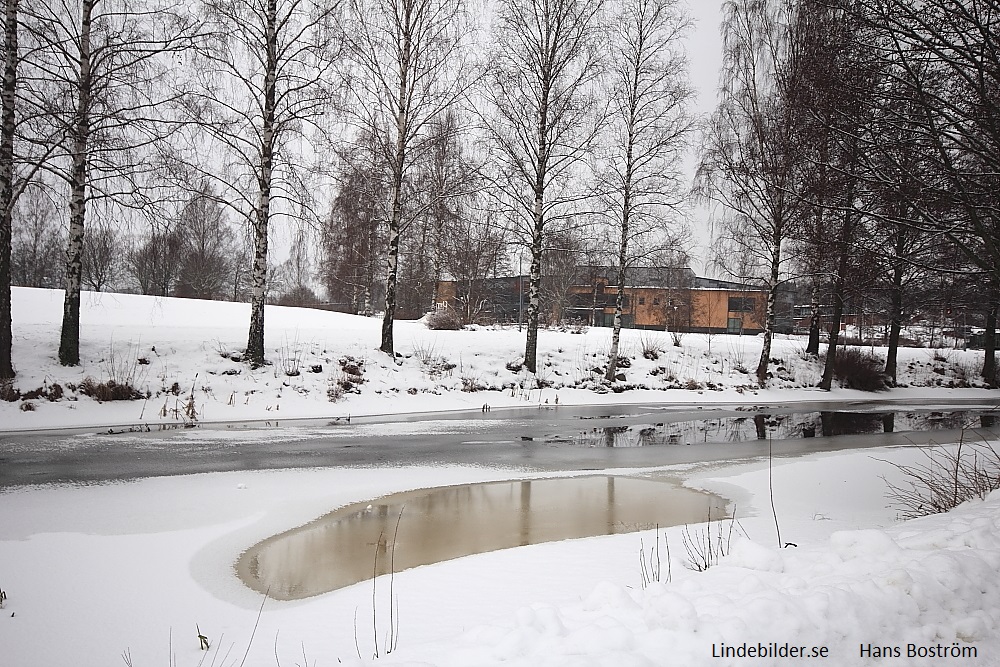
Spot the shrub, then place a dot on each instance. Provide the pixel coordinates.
(27, 406)
(290, 358)
(351, 375)
(8, 392)
(858, 369)
(122, 368)
(444, 320)
(709, 545)
(945, 479)
(472, 384)
(651, 347)
(109, 391)
(51, 392)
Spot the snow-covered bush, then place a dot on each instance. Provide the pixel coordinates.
(444, 320)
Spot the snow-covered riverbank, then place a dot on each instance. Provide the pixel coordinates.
(128, 573)
(326, 365)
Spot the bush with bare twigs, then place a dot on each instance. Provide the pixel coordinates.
(707, 546)
(859, 369)
(945, 479)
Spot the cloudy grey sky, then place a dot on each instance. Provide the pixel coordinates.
(704, 47)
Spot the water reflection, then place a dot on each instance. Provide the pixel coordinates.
(761, 426)
(339, 549)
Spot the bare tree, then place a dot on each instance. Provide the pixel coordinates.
(944, 55)
(21, 157)
(543, 117)
(94, 74)
(103, 256)
(650, 123)
(207, 246)
(476, 249)
(353, 234)
(155, 260)
(563, 267)
(452, 182)
(257, 98)
(841, 78)
(749, 164)
(406, 73)
(38, 241)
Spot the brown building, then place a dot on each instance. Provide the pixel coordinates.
(659, 298)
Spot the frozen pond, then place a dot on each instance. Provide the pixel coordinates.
(538, 438)
(350, 544)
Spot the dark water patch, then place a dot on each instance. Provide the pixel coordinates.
(347, 545)
(776, 426)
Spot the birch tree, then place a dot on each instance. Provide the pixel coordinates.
(406, 72)
(352, 235)
(748, 163)
(95, 75)
(20, 160)
(258, 94)
(543, 116)
(7, 129)
(649, 127)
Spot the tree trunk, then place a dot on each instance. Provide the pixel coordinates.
(895, 323)
(815, 321)
(534, 290)
(69, 340)
(255, 338)
(390, 291)
(622, 260)
(617, 330)
(831, 349)
(765, 351)
(772, 298)
(838, 301)
(7, 127)
(398, 166)
(989, 345)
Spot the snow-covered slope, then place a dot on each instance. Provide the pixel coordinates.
(181, 353)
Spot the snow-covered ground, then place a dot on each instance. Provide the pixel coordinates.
(93, 572)
(180, 353)
(124, 573)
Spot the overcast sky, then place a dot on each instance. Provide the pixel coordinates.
(704, 48)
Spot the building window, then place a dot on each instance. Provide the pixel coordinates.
(656, 301)
(735, 324)
(739, 304)
(642, 301)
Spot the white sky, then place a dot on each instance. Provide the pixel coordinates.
(704, 48)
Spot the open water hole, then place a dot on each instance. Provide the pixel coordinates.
(759, 425)
(427, 526)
